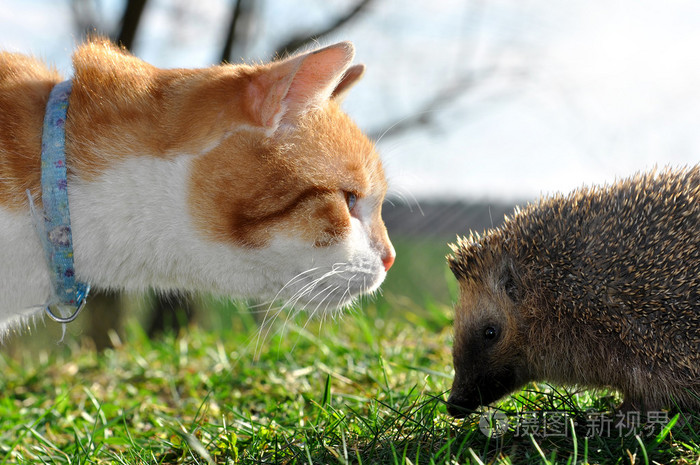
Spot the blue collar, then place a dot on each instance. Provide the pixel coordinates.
(68, 296)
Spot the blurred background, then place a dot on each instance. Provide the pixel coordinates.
(477, 105)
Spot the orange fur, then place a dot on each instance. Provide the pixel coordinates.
(24, 89)
(295, 187)
(245, 184)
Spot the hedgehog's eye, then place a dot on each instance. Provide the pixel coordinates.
(490, 333)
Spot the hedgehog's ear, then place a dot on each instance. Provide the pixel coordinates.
(510, 283)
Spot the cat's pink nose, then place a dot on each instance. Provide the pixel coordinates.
(388, 260)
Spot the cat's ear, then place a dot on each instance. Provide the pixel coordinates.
(349, 79)
(286, 89)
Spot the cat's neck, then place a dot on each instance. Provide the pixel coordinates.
(133, 113)
(128, 153)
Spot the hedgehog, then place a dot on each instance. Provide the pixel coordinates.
(599, 288)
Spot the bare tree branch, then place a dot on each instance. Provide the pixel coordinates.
(130, 23)
(231, 34)
(85, 16)
(300, 40)
(448, 95)
(239, 25)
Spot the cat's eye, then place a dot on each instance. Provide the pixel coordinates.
(351, 200)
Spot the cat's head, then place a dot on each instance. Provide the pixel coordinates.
(297, 182)
(283, 191)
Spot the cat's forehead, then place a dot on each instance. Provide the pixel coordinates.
(329, 144)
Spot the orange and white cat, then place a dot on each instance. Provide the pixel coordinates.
(245, 181)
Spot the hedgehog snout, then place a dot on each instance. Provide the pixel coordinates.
(460, 404)
(468, 393)
(471, 391)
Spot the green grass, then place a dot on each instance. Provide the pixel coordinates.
(368, 388)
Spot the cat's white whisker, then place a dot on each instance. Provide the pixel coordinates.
(258, 305)
(325, 309)
(328, 291)
(303, 291)
(274, 299)
(342, 297)
(296, 312)
(264, 331)
(407, 198)
(347, 291)
(318, 291)
(323, 277)
(292, 281)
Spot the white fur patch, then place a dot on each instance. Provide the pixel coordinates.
(24, 276)
(132, 230)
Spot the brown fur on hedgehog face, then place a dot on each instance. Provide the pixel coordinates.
(489, 333)
(600, 288)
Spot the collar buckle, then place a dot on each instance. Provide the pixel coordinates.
(81, 300)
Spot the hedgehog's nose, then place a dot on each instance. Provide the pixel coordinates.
(456, 411)
(458, 407)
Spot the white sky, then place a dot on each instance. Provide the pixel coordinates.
(611, 86)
